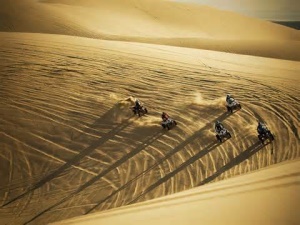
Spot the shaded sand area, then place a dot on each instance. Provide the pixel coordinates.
(152, 21)
(234, 201)
(70, 144)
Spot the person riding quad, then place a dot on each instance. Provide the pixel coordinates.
(137, 104)
(164, 116)
(261, 128)
(218, 126)
(227, 97)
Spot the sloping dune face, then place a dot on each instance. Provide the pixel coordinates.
(148, 18)
(71, 145)
(152, 21)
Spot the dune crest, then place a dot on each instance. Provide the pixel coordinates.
(153, 21)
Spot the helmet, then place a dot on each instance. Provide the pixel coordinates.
(218, 122)
(228, 96)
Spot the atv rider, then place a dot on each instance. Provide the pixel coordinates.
(261, 128)
(164, 116)
(218, 127)
(137, 104)
(229, 99)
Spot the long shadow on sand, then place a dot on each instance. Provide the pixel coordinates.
(194, 158)
(235, 161)
(76, 158)
(196, 135)
(132, 153)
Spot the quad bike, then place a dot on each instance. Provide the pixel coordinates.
(265, 135)
(223, 134)
(140, 111)
(233, 104)
(168, 123)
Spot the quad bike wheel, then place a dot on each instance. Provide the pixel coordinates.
(219, 138)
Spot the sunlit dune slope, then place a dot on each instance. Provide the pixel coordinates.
(268, 196)
(31, 16)
(70, 143)
(158, 18)
(152, 21)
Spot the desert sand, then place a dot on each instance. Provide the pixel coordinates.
(254, 196)
(153, 21)
(70, 71)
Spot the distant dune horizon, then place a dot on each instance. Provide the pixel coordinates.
(291, 24)
(162, 22)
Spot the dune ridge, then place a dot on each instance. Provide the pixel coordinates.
(158, 22)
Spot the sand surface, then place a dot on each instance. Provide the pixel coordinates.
(69, 142)
(232, 201)
(153, 21)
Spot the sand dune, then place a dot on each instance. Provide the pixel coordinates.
(158, 21)
(70, 144)
(233, 200)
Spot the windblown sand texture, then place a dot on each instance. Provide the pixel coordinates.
(69, 144)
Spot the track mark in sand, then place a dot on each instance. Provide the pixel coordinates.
(71, 162)
(64, 148)
(273, 89)
(200, 154)
(71, 84)
(100, 175)
(11, 171)
(54, 120)
(29, 172)
(169, 154)
(43, 153)
(235, 161)
(273, 101)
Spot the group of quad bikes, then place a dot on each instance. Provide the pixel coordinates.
(222, 133)
(167, 122)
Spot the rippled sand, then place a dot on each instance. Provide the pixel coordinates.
(70, 71)
(70, 144)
